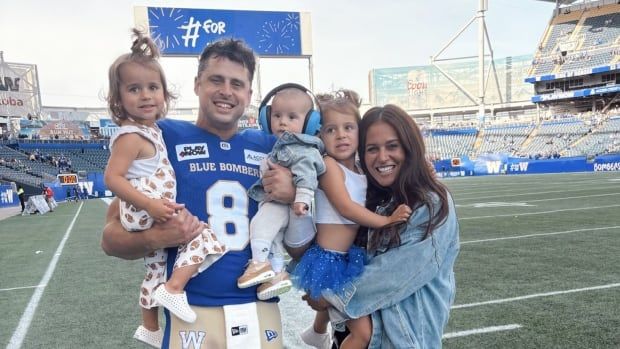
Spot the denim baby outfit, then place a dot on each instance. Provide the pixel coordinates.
(302, 154)
(407, 290)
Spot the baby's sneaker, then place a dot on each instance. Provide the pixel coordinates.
(176, 303)
(255, 273)
(278, 285)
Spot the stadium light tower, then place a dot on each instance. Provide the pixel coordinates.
(483, 36)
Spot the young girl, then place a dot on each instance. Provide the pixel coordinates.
(140, 174)
(334, 260)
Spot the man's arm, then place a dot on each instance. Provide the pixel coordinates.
(118, 242)
(278, 184)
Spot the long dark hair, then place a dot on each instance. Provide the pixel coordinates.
(416, 183)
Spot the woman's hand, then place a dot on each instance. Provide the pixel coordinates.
(317, 305)
(278, 184)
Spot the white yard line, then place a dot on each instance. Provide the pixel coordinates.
(501, 187)
(574, 197)
(26, 319)
(19, 288)
(480, 330)
(539, 212)
(540, 234)
(536, 193)
(535, 295)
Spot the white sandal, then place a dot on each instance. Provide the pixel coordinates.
(317, 340)
(176, 303)
(152, 338)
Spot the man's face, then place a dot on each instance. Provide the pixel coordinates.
(224, 90)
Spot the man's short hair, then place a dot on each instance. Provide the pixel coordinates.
(233, 49)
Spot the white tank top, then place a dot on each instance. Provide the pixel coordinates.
(356, 186)
(142, 167)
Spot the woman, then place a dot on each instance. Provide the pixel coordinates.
(408, 285)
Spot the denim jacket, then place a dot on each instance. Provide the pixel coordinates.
(408, 290)
(302, 154)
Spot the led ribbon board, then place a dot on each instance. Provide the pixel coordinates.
(185, 32)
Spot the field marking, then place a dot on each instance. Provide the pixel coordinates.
(20, 288)
(536, 193)
(535, 295)
(540, 234)
(24, 323)
(574, 197)
(480, 330)
(501, 187)
(540, 212)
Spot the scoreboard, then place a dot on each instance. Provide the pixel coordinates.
(68, 179)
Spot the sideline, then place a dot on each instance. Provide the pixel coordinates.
(24, 323)
(7, 212)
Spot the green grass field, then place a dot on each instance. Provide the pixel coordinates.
(539, 268)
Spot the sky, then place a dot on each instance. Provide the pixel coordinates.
(73, 42)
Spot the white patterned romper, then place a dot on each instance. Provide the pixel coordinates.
(155, 178)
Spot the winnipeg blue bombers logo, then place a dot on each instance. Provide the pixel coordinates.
(271, 335)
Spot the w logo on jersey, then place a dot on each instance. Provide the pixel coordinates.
(271, 335)
(191, 339)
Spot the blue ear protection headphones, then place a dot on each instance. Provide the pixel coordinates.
(312, 124)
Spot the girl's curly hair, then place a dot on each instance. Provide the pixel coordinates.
(145, 52)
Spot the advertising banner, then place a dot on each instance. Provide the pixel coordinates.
(494, 164)
(8, 197)
(19, 90)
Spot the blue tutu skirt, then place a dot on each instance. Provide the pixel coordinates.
(320, 270)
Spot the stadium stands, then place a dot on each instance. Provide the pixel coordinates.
(584, 39)
(564, 135)
(448, 143)
(505, 139)
(23, 162)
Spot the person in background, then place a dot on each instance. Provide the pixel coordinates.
(49, 197)
(22, 197)
(76, 193)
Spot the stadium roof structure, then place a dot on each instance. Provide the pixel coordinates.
(561, 3)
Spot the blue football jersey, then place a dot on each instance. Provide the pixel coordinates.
(213, 177)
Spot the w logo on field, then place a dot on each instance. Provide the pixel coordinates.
(271, 335)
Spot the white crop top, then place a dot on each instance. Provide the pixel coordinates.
(356, 185)
(140, 167)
